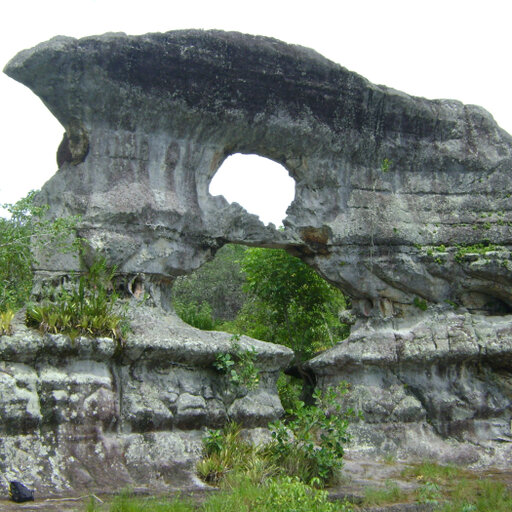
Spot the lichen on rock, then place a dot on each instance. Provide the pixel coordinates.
(401, 202)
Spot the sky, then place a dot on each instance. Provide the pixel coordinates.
(435, 49)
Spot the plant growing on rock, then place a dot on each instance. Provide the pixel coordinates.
(238, 365)
(85, 307)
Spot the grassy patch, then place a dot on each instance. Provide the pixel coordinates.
(391, 493)
(455, 489)
(432, 472)
(283, 494)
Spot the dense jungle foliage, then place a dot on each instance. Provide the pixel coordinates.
(266, 294)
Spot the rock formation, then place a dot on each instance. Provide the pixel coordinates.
(402, 202)
(78, 415)
(387, 185)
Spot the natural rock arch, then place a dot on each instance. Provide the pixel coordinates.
(400, 201)
(384, 179)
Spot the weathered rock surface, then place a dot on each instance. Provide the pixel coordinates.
(402, 202)
(76, 415)
(440, 388)
(383, 179)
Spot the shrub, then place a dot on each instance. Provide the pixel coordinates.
(311, 444)
(223, 452)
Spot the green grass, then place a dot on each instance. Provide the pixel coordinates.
(429, 471)
(455, 489)
(283, 494)
(391, 493)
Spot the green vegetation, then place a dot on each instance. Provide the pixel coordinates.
(391, 493)
(83, 307)
(214, 290)
(309, 446)
(454, 489)
(420, 303)
(385, 165)
(277, 298)
(197, 315)
(86, 305)
(283, 494)
(6, 318)
(239, 365)
(480, 248)
(26, 229)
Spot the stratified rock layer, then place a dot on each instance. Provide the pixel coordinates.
(78, 415)
(402, 202)
(383, 179)
(437, 388)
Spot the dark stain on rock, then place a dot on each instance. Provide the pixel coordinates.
(316, 238)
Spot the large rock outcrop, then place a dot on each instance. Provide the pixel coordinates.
(384, 180)
(80, 415)
(439, 387)
(402, 202)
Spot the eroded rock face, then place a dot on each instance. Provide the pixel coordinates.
(79, 416)
(439, 388)
(387, 184)
(402, 202)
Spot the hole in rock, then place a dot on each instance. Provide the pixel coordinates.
(262, 186)
(266, 294)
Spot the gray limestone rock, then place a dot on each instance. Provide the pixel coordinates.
(387, 184)
(402, 202)
(77, 415)
(440, 388)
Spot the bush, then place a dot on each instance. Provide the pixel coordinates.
(311, 444)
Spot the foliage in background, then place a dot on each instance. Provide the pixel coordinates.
(266, 294)
(291, 304)
(217, 284)
(289, 390)
(26, 227)
(83, 307)
(197, 315)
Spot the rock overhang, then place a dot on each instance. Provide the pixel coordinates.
(388, 186)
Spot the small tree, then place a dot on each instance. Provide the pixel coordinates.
(26, 226)
(291, 304)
